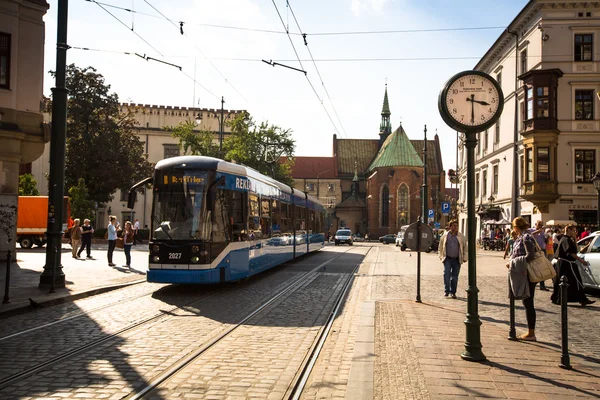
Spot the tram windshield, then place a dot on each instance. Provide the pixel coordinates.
(179, 211)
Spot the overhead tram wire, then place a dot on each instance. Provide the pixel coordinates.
(180, 27)
(305, 74)
(241, 28)
(154, 48)
(317, 69)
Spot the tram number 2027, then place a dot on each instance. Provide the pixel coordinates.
(174, 256)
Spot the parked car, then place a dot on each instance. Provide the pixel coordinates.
(589, 250)
(343, 236)
(400, 238)
(387, 239)
(358, 238)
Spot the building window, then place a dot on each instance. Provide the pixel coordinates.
(495, 182)
(479, 143)
(171, 150)
(4, 60)
(542, 103)
(529, 166)
(524, 61)
(584, 104)
(543, 164)
(403, 205)
(584, 45)
(331, 187)
(124, 194)
(484, 184)
(497, 133)
(385, 205)
(528, 102)
(310, 187)
(476, 185)
(499, 79)
(585, 165)
(485, 140)
(522, 164)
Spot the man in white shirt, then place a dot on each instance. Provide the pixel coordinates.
(136, 229)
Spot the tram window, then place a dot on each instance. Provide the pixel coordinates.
(300, 219)
(236, 215)
(275, 217)
(254, 231)
(286, 218)
(265, 217)
(221, 223)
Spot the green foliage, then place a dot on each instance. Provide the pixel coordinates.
(28, 185)
(194, 142)
(261, 147)
(81, 206)
(102, 146)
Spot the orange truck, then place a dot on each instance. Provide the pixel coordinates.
(32, 220)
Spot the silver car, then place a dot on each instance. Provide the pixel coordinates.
(589, 250)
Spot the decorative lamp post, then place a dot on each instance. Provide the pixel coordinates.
(596, 182)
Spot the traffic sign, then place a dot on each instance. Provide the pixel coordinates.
(437, 225)
(411, 236)
(430, 214)
(445, 207)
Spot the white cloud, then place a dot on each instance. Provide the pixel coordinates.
(360, 5)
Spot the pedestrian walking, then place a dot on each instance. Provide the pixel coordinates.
(112, 239)
(541, 238)
(510, 244)
(452, 252)
(86, 239)
(128, 241)
(136, 232)
(524, 246)
(75, 237)
(567, 266)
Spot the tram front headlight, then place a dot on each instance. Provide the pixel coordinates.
(156, 259)
(195, 259)
(195, 249)
(155, 248)
(204, 253)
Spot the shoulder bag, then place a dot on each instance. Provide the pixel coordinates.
(540, 268)
(119, 244)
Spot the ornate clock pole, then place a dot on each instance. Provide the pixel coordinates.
(471, 102)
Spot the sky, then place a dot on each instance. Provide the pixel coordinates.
(342, 90)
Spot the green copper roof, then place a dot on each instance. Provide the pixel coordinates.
(386, 104)
(396, 151)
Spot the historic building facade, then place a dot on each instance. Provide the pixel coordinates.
(375, 183)
(547, 63)
(22, 131)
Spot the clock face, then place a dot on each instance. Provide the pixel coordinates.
(471, 101)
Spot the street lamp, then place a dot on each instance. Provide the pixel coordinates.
(491, 200)
(596, 182)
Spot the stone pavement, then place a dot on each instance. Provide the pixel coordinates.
(84, 277)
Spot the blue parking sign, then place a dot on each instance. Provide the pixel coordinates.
(430, 214)
(445, 208)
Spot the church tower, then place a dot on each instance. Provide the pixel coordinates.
(385, 129)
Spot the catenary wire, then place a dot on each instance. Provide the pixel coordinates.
(305, 74)
(317, 69)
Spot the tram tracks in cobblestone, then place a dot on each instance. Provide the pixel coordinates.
(298, 384)
(83, 313)
(97, 342)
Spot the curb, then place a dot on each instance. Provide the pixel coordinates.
(68, 298)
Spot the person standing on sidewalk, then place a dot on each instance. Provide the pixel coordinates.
(525, 246)
(112, 239)
(452, 252)
(86, 239)
(136, 232)
(541, 238)
(75, 237)
(128, 241)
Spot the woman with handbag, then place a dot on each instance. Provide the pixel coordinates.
(524, 245)
(567, 266)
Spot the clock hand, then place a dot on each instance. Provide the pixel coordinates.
(485, 103)
(472, 100)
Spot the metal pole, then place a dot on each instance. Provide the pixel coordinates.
(472, 323)
(424, 202)
(57, 153)
(516, 175)
(221, 128)
(565, 361)
(53, 282)
(512, 332)
(418, 300)
(7, 282)
(598, 213)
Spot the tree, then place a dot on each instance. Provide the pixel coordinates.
(194, 142)
(81, 206)
(102, 147)
(28, 185)
(261, 147)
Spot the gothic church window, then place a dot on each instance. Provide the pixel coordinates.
(403, 205)
(385, 205)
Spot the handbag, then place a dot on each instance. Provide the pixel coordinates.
(540, 268)
(119, 243)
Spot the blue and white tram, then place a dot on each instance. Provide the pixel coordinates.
(214, 221)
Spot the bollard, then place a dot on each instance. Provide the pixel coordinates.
(7, 283)
(565, 362)
(512, 332)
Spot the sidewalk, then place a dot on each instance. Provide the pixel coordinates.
(84, 277)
